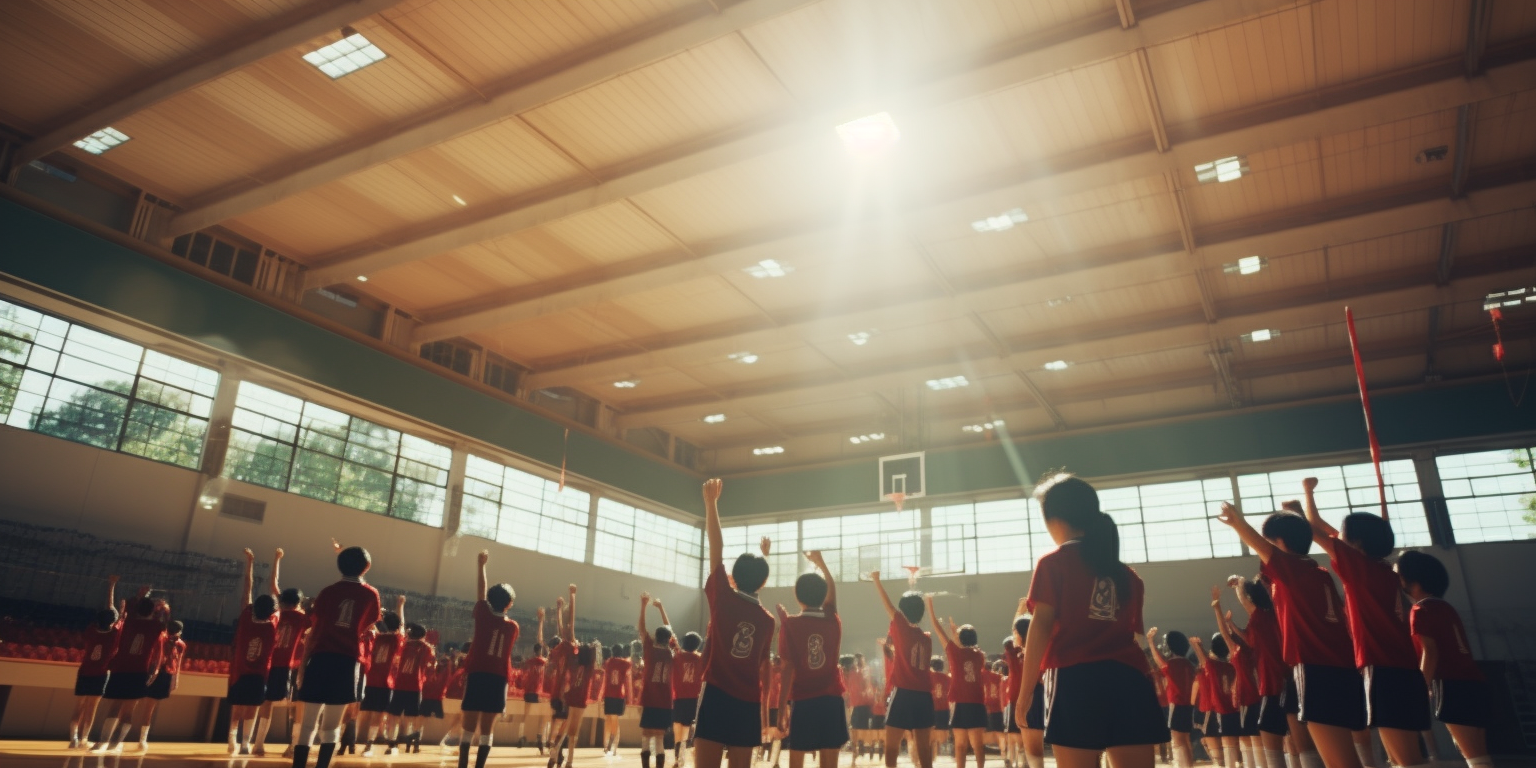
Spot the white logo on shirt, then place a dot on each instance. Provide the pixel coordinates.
(970, 671)
(816, 652)
(1331, 615)
(741, 644)
(253, 649)
(1103, 605)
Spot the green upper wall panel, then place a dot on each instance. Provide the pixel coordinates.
(63, 258)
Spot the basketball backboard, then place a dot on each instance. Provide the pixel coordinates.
(903, 474)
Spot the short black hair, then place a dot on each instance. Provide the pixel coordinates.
(911, 605)
(1178, 644)
(1369, 532)
(845, 661)
(538, 649)
(1291, 528)
(750, 572)
(811, 590)
(291, 597)
(175, 628)
(663, 635)
(692, 641)
(936, 664)
(144, 607)
(586, 655)
(415, 631)
(967, 636)
(1258, 594)
(1021, 626)
(608, 652)
(263, 607)
(391, 621)
(500, 597)
(105, 618)
(353, 562)
(1218, 646)
(1425, 570)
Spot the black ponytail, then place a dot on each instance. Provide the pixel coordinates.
(1069, 498)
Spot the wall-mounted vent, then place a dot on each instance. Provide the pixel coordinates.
(243, 508)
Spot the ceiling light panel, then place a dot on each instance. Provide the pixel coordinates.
(102, 140)
(768, 268)
(714, 418)
(345, 56)
(769, 451)
(949, 382)
(745, 358)
(1221, 171)
(1001, 222)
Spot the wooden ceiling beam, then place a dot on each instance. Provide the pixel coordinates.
(212, 62)
(690, 28)
(1445, 90)
(1029, 58)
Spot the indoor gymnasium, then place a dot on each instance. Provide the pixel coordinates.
(768, 383)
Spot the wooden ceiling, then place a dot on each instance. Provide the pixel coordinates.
(580, 187)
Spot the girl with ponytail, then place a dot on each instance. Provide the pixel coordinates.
(1084, 637)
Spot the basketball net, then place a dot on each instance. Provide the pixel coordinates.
(912, 574)
(899, 498)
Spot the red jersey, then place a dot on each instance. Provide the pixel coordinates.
(1436, 619)
(775, 685)
(877, 705)
(811, 643)
(1093, 621)
(1310, 613)
(857, 683)
(1270, 670)
(740, 636)
(342, 615)
(967, 665)
(1013, 656)
(1373, 601)
(1245, 691)
(138, 652)
(436, 686)
(99, 650)
(171, 654)
(455, 690)
(992, 690)
(254, 641)
(1180, 675)
(940, 690)
(637, 681)
(414, 665)
(291, 623)
(596, 684)
(381, 670)
(491, 649)
(913, 649)
(369, 638)
(578, 693)
(617, 674)
(657, 690)
(1217, 676)
(532, 675)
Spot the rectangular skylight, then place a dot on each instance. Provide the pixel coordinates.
(950, 382)
(102, 140)
(745, 358)
(1000, 222)
(1247, 265)
(345, 56)
(1057, 365)
(627, 383)
(768, 268)
(769, 451)
(714, 418)
(859, 339)
(1509, 298)
(870, 438)
(1262, 334)
(1223, 170)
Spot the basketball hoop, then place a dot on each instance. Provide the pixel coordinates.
(898, 497)
(912, 574)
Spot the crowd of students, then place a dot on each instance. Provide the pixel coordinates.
(1303, 684)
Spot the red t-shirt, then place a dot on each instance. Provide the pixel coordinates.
(940, 690)
(414, 665)
(342, 615)
(775, 685)
(657, 690)
(254, 641)
(907, 666)
(1180, 675)
(857, 683)
(491, 650)
(1264, 636)
(810, 643)
(687, 674)
(436, 686)
(1013, 656)
(555, 671)
(533, 675)
(1310, 613)
(578, 693)
(381, 670)
(968, 666)
(992, 690)
(1093, 622)
(174, 650)
(740, 636)
(1244, 660)
(139, 649)
(1373, 601)
(1436, 619)
(291, 623)
(456, 681)
(1217, 677)
(616, 674)
(99, 649)
(595, 684)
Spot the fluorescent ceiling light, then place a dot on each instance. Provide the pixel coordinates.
(1509, 298)
(768, 268)
(1223, 170)
(745, 358)
(950, 382)
(859, 339)
(345, 56)
(870, 438)
(102, 140)
(1000, 222)
(1058, 301)
(869, 136)
(1262, 334)
(769, 451)
(1247, 265)
(714, 418)
(983, 427)
(1057, 365)
(362, 278)
(459, 200)
(627, 383)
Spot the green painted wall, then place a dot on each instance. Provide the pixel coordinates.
(48, 252)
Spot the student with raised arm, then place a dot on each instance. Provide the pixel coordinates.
(1085, 636)
(531, 675)
(91, 677)
(1461, 699)
(1313, 636)
(1397, 702)
(1276, 687)
(343, 613)
(967, 688)
(687, 682)
(581, 669)
(488, 665)
(167, 680)
(910, 709)
(292, 622)
(656, 695)
(133, 667)
(1245, 692)
(1180, 677)
(615, 686)
(731, 718)
(255, 637)
(379, 677)
(811, 695)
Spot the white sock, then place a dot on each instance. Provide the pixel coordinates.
(1486, 761)
(143, 734)
(485, 741)
(1229, 756)
(1311, 759)
(474, 738)
(1276, 758)
(373, 733)
(1367, 755)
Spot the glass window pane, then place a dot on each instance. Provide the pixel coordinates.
(1490, 495)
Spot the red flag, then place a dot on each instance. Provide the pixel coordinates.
(1365, 402)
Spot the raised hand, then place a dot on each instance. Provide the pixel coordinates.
(278, 555)
(400, 602)
(1152, 635)
(1229, 514)
(573, 589)
(250, 557)
(113, 579)
(484, 557)
(1234, 581)
(336, 545)
(541, 613)
(874, 575)
(645, 598)
(1216, 595)
(712, 489)
(815, 557)
(656, 601)
(1195, 641)
(1309, 483)
(766, 545)
(560, 602)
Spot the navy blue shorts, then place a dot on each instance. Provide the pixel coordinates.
(1462, 702)
(685, 711)
(248, 691)
(818, 723)
(127, 686)
(279, 684)
(613, 706)
(432, 708)
(1101, 704)
(1396, 697)
(1330, 696)
(911, 710)
(968, 717)
(94, 685)
(405, 704)
(655, 718)
(331, 678)
(485, 692)
(1272, 715)
(725, 719)
(1181, 718)
(375, 699)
